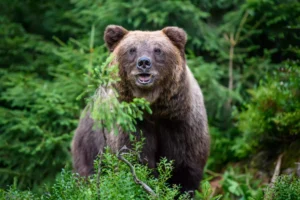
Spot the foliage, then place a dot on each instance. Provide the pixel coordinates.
(116, 182)
(273, 115)
(113, 113)
(240, 185)
(51, 51)
(29, 129)
(104, 105)
(39, 110)
(284, 188)
(207, 192)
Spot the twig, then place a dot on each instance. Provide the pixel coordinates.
(230, 75)
(233, 41)
(7, 171)
(91, 50)
(249, 33)
(136, 180)
(277, 169)
(242, 23)
(213, 173)
(276, 173)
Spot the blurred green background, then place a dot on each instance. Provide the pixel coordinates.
(244, 54)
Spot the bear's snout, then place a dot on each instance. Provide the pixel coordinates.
(144, 64)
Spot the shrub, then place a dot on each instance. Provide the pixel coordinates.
(285, 188)
(113, 181)
(271, 120)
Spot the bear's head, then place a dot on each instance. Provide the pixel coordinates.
(151, 63)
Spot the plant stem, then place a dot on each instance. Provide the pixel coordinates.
(277, 169)
(135, 178)
(230, 73)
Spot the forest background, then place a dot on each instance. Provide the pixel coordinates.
(244, 54)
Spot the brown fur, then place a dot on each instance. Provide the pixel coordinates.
(177, 129)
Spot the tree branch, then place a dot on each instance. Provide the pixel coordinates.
(276, 172)
(233, 41)
(277, 169)
(136, 180)
(243, 21)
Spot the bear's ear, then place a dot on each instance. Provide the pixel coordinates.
(176, 35)
(112, 35)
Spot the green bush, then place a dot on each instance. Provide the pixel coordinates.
(113, 181)
(39, 108)
(46, 48)
(284, 188)
(273, 115)
(240, 184)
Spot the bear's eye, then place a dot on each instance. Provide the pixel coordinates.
(157, 51)
(132, 50)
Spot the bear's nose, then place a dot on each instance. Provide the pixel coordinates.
(144, 63)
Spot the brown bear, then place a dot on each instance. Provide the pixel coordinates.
(152, 65)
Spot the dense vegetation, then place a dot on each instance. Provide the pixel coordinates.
(244, 54)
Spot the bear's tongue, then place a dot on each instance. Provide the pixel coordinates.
(144, 78)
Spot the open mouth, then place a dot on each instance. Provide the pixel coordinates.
(145, 78)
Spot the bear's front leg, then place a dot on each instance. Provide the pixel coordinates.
(86, 145)
(188, 177)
